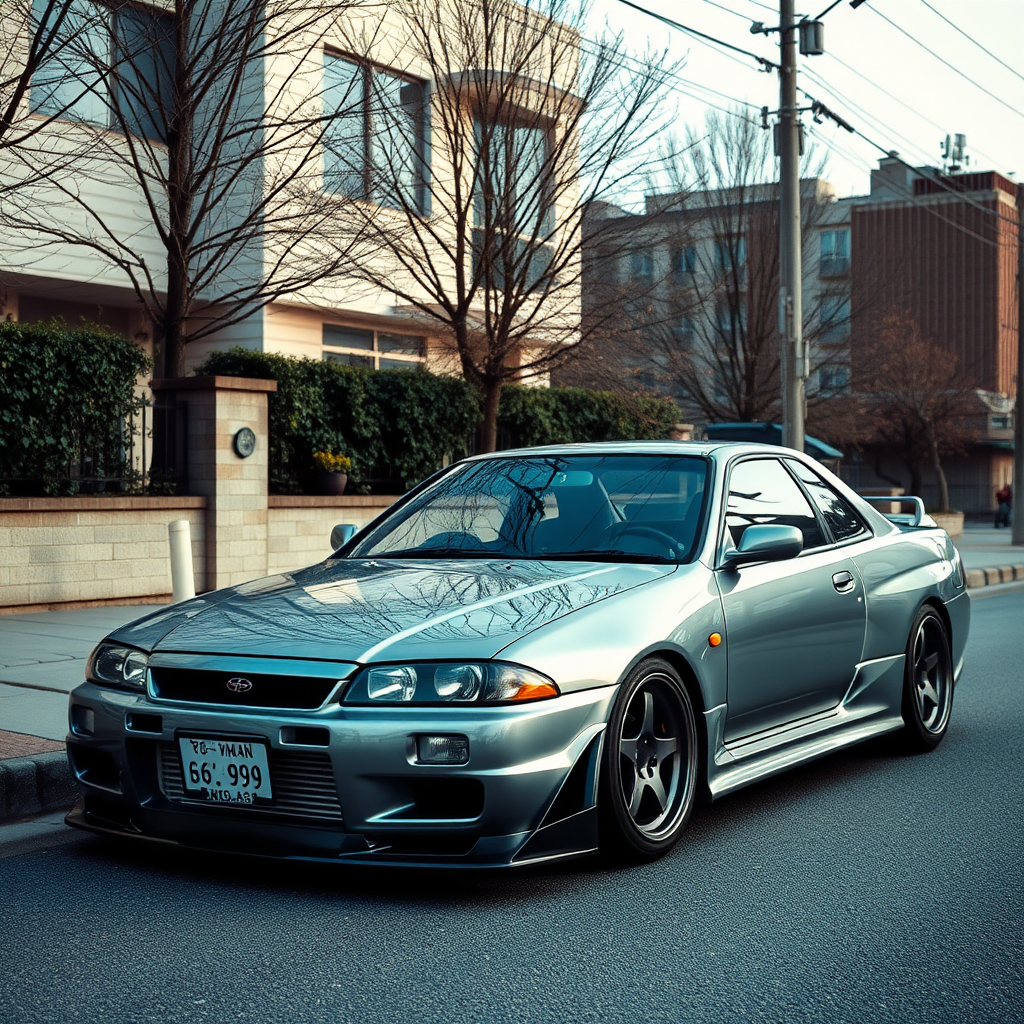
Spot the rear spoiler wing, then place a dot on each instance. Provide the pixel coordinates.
(916, 516)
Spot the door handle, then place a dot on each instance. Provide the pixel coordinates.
(843, 581)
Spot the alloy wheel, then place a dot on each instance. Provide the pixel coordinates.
(932, 675)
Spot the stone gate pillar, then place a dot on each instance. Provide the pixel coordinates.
(228, 461)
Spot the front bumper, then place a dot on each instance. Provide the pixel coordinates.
(346, 781)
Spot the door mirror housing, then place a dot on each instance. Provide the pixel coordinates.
(765, 543)
(342, 534)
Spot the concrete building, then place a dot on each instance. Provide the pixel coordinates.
(942, 248)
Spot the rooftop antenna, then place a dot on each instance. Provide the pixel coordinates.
(954, 155)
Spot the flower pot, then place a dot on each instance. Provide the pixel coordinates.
(332, 483)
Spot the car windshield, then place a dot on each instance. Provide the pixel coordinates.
(633, 508)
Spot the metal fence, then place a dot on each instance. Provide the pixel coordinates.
(145, 453)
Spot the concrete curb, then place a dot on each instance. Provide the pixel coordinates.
(33, 785)
(991, 576)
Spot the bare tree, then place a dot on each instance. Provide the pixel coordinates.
(917, 399)
(717, 347)
(529, 122)
(211, 118)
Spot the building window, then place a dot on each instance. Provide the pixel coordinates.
(684, 261)
(835, 252)
(375, 350)
(511, 200)
(641, 266)
(731, 258)
(835, 318)
(375, 145)
(684, 329)
(834, 380)
(109, 67)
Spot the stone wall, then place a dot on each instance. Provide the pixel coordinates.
(299, 527)
(92, 549)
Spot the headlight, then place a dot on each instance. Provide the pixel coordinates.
(467, 683)
(117, 666)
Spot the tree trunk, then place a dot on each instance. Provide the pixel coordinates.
(488, 434)
(939, 472)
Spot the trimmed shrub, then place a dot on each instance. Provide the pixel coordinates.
(66, 394)
(396, 425)
(529, 416)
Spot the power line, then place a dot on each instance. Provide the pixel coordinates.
(907, 194)
(763, 61)
(902, 103)
(999, 60)
(923, 172)
(942, 60)
(728, 10)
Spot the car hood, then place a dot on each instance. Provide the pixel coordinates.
(361, 610)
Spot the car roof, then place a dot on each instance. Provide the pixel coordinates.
(718, 449)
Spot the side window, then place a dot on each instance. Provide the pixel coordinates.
(837, 512)
(762, 492)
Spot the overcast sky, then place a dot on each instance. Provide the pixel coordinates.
(927, 99)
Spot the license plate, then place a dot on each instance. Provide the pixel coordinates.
(225, 771)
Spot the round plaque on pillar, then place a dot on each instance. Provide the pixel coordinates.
(245, 443)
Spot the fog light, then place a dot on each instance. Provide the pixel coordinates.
(442, 750)
(83, 720)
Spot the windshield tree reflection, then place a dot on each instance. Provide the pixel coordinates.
(644, 508)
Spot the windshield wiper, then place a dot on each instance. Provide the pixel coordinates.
(443, 553)
(604, 555)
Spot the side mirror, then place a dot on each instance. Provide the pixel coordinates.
(342, 534)
(765, 544)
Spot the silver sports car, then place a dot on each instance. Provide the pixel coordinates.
(532, 655)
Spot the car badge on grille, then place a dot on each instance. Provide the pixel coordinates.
(238, 685)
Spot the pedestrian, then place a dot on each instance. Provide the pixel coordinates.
(1004, 501)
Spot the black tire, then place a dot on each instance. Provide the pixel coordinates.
(927, 683)
(649, 765)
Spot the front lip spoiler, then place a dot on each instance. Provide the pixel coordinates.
(361, 855)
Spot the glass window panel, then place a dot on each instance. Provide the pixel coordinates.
(144, 51)
(348, 359)
(551, 507)
(513, 176)
(843, 521)
(344, 140)
(399, 364)
(348, 337)
(69, 83)
(396, 127)
(762, 492)
(405, 344)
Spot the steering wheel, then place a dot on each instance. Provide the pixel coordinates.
(651, 532)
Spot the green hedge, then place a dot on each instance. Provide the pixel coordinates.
(402, 423)
(528, 416)
(391, 423)
(65, 393)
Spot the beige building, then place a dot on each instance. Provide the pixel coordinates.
(359, 64)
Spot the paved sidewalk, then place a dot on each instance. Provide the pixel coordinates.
(42, 658)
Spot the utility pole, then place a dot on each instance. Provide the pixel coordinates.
(794, 361)
(1018, 411)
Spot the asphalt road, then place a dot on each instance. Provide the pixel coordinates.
(866, 887)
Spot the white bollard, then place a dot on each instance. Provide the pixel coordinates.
(183, 584)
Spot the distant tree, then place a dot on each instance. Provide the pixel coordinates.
(917, 400)
(210, 115)
(529, 122)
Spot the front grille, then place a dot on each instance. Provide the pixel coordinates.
(303, 784)
(201, 686)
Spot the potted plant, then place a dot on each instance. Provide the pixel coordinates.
(332, 471)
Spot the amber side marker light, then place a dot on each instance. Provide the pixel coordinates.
(715, 639)
(533, 691)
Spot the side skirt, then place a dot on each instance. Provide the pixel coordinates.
(871, 707)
